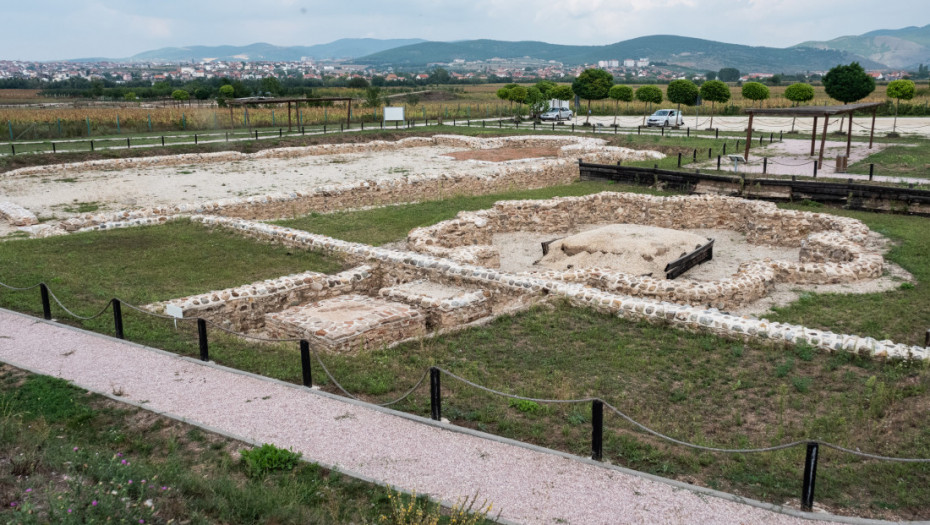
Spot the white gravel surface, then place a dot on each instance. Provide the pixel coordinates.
(528, 485)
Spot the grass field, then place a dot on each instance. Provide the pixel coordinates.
(75, 458)
(697, 388)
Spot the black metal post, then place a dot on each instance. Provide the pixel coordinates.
(765, 165)
(227, 136)
(195, 139)
(927, 338)
(597, 430)
(815, 169)
(761, 139)
(435, 395)
(305, 363)
(129, 146)
(256, 134)
(771, 137)
(663, 131)
(718, 162)
(724, 148)
(639, 129)
(810, 476)
(689, 132)
(694, 157)
(737, 145)
(871, 171)
(118, 318)
(710, 153)
(202, 337)
(53, 148)
(363, 125)
(13, 148)
(679, 159)
(716, 133)
(163, 141)
(280, 133)
(92, 144)
(46, 305)
(781, 136)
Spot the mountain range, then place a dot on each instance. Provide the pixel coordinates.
(883, 49)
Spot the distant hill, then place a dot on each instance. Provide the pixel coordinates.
(688, 52)
(898, 48)
(344, 48)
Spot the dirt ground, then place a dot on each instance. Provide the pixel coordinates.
(504, 154)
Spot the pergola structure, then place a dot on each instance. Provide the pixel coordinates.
(815, 111)
(255, 101)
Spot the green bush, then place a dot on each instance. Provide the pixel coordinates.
(268, 458)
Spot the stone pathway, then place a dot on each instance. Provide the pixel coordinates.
(527, 484)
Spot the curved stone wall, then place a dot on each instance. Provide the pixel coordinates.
(832, 248)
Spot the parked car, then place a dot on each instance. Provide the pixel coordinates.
(666, 117)
(557, 114)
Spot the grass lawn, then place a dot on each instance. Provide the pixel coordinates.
(912, 160)
(74, 457)
(696, 388)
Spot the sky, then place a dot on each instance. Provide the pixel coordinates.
(59, 29)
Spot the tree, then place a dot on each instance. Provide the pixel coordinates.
(799, 93)
(354, 82)
(537, 101)
(545, 86)
(618, 93)
(517, 94)
(714, 91)
(372, 96)
(440, 76)
(561, 93)
(898, 89)
(130, 96)
(682, 91)
(592, 84)
(755, 91)
(728, 74)
(649, 95)
(710, 75)
(848, 84)
(271, 86)
(180, 95)
(201, 93)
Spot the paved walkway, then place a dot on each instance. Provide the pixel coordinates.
(528, 484)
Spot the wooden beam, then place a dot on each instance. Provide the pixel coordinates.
(872, 133)
(748, 137)
(349, 115)
(823, 140)
(288, 115)
(814, 137)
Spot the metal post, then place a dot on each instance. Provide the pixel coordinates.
(765, 165)
(725, 147)
(118, 318)
(47, 306)
(305, 363)
(597, 430)
(663, 131)
(718, 162)
(815, 169)
(53, 148)
(771, 137)
(710, 153)
(927, 338)
(679, 159)
(716, 133)
(689, 132)
(871, 171)
(435, 395)
(13, 148)
(256, 134)
(127, 143)
(694, 157)
(202, 337)
(163, 141)
(810, 476)
(92, 144)
(761, 139)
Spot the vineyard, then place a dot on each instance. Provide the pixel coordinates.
(27, 117)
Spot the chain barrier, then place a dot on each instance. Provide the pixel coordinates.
(498, 392)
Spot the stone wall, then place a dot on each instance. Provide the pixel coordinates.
(17, 215)
(530, 289)
(511, 175)
(832, 248)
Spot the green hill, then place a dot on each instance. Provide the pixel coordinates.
(898, 48)
(344, 48)
(689, 52)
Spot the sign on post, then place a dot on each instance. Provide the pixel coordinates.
(393, 113)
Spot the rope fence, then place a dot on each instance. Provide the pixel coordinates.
(435, 373)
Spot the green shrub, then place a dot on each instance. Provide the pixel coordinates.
(268, 458)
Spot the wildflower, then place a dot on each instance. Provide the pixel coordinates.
(75, 449)
(28, 490)
(123, 462)
(93, 503)
(164, 488)
(141, 521)
(119, 454)
(130, 482)
(69, 511)
(12, 503)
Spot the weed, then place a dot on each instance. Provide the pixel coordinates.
(801, 384)
(268, 458)
(526, 406)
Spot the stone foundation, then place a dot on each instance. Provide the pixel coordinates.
(349, 323)
(445, 306)
(17, 215)
(832, 248)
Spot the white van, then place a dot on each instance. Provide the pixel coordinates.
(666, 117)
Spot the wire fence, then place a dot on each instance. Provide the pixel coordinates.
(435, 372)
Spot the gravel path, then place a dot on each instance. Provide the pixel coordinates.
(528, 484)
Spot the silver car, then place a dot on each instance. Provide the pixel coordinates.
(665, 117)
(557, 114)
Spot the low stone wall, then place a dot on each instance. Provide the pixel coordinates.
(445, 307)
(243, 308)
(17, 215)
(832, 248)
(529, 289)
(524, 175)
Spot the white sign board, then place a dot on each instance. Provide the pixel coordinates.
(393, 113)
(174, 311)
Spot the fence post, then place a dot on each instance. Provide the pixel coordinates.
(810, 476)
(761, 139)
(118, 318)
(927, 338)
(663, 131)
(689, 132)
(597, 430)
(679, 159)
(13, 148)
(771, 137)
(435, 395)
(871, 171)
(737, 146)
(163, 141)
(716, 133)
(815, 169)
(710, 153)
(202, 337)
(305, 363)
(718, 162)
(92, 144)
(694, 157)
(725, 148)
(195, 139)
(47, 306)
(765, 165)
(53, 148)
(256, 134)
(128, 145)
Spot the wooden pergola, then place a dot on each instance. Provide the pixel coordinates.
(256, 101)
(815, 111)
